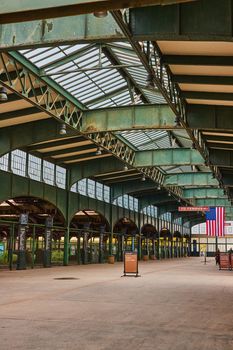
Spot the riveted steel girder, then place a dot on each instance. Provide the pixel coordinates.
(92, 168)
(201, 20)
(55, 102)
(48, 96)
(203, 193)
(58, 31)
(127, 118)
(210, 117)
(190, 179)
(164, 157)
(221, 157)
(12, 12)
(22, 135)
(213, 202)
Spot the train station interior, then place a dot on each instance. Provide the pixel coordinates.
(116, 138)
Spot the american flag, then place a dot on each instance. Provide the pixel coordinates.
(215, 221)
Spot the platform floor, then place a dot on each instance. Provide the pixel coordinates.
(175, 305)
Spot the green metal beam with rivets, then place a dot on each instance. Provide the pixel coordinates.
(164, 157)
(190, 179)
(203, 193)
(213, 202)
(127, 118)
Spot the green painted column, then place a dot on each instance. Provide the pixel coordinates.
(11, 244)
(33, 245)
(86, 228)
(48, 242)
(101, 244)
(139, 247)
(78, 249)
(21, 260)
(110, 244)
(66, 246)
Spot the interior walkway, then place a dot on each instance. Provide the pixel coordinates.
(175, 305)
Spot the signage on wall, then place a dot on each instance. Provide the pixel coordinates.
(193, 208)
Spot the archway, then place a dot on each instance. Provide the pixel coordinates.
(125, 234)
(149, 242)
(165, 243)
(177, 244)
(89, 237)
(28, 232)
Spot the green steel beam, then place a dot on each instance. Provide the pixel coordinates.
(203, 193)
(190, 179)
(210, 117)
(70, 110)
(213, 202)
(221, 157)
(60, 31)
(22, 135)
(92, 168)
(131, 187)
(12, 12)
(127, 118)
(157, 199)
(164, 157)
(208, 20)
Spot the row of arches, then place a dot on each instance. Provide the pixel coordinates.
(44, 239)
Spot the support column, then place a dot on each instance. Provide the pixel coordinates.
(21, 261)
(48, 241)
(66, 246)
(86, 228)
(101, 244)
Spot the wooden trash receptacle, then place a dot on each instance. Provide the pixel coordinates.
(145, 257)
(111, 259)
(153, 257)
(224, 261)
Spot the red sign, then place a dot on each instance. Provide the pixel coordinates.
(193, 208)
(227, 224)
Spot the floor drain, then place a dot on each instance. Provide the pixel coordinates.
(66, 278)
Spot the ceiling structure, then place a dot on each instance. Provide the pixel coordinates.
(153, 94)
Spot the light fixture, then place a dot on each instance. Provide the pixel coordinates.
(169, 194)
(177, 122)
(150, 82)
(62, 130)
(3, 94)
(143, 178)
(179, 200)
(98, 151)
(125, 168)
(101, 14)
(159, 188)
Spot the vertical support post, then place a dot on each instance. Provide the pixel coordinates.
(66, 246)
(78, 249)
(48, 241)
(110, 244)
(139, 247)
(67, 231)
(33, 245)
(21, 261)
(101, 244)
(86, 227)
(11, 243)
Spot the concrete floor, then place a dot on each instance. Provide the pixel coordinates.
(175, 305)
